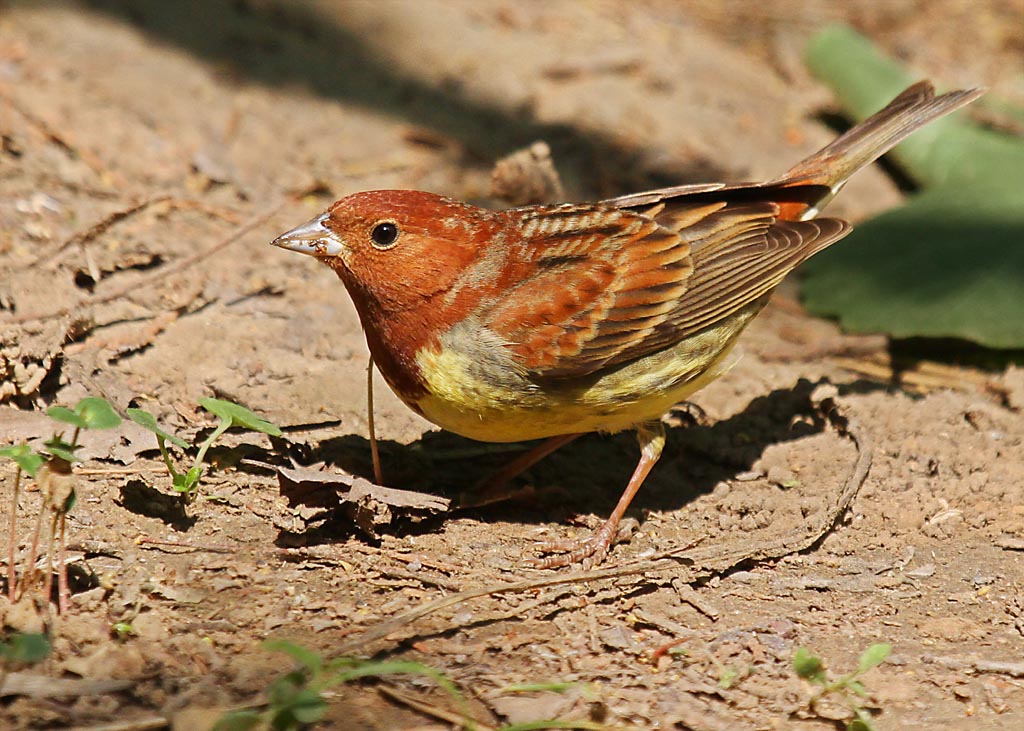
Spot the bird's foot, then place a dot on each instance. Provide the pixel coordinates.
(587, 551)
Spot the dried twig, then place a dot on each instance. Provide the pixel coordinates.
(82, 238)
(142, 724)
(977, 665)
(44, 686)
(460, 720)
(665, 562)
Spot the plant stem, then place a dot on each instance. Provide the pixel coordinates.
(166, 455)
(30, 572)
(222, 427)
(14, 524)
(62, 575)
(48, 586)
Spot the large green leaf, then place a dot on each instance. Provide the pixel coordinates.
(949, 264)
(951, 150)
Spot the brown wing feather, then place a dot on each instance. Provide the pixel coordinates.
(729, 274)
(591, 287)
(673, 261)
(740, 253)
(597, 286)
(595, 281)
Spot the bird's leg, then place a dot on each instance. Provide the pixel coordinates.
(592, 549)
(492, 489)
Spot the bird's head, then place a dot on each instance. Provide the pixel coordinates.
(395, 249)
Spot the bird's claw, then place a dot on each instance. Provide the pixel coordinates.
(587, 551)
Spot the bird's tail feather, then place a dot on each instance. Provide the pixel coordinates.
(866, 142)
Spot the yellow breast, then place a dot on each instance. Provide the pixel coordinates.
(475, 391)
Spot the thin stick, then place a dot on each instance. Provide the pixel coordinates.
(48, 584)
(378, 475)
(379, 631)
(14, 525)
(63, 594)
(30, 568)
(460, 720)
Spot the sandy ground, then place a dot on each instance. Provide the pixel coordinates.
(216, 114)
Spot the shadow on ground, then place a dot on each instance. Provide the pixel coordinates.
(288, 44)
(588, 475)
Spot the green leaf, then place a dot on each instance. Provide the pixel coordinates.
(239, 416)
(61, 449)
(187, 481)
(147, 420)
(808, 666)
(238, 721)
(122, 629)
(308, 706)
(97, 413)
(951, 150)
(862, 722)
(60, 413)
(950, 264)
(25, 648)
(24, 457)
(726, 678)
(312, 661)
(192, 477)
(282, 691)
(857, 687)
(873, 656)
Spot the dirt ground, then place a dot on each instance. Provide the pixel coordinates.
(228, 113)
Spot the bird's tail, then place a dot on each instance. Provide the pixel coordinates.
(833, 165)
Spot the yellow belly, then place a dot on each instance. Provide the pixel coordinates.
(481, 404)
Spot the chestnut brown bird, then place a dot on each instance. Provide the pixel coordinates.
(551, 321)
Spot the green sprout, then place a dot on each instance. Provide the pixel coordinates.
(20, 649)
(52, 473)
(231, 415)
(28, 462)
(296, 700)
(846, 689)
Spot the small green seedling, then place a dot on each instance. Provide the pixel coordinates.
(122, 630)
(52, 473)
(231, 415)
(20, 649)
(847, 689)
(28, 462)
(296, 700)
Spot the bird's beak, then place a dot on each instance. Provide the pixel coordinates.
(312, 237)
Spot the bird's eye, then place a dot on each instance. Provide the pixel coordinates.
(384, 234)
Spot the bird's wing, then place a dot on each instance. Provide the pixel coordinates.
(594, 286)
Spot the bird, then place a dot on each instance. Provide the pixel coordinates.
(553, 321)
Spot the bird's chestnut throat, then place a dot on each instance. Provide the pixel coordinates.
(395, 337)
